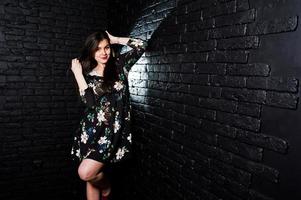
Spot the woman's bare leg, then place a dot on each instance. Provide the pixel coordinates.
(92, 191)
(106, 186)
(102, 181)
(91, 172)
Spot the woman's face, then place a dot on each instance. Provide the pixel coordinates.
(103, 52)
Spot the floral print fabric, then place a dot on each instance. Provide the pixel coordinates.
(104, 132)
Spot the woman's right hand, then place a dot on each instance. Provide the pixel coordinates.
(76, 67)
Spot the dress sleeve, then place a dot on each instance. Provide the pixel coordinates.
(87, 96)
(128, 59)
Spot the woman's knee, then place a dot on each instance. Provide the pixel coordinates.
(85, 173)
(88, 171)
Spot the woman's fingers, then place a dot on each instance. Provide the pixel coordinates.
(112, 38)
(108, 33)
(75, 60)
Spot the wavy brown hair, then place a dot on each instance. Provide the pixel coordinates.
(88, 61)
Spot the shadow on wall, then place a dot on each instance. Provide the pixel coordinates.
(198, 97)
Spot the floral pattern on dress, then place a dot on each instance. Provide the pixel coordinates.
(120, 153)
(104, 130)
(118, 85)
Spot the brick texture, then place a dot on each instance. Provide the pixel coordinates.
(39, 105)
(198, 97)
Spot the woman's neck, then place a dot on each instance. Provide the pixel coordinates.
(100, 69)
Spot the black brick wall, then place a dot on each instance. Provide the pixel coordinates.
(39, 107)
(216, 99)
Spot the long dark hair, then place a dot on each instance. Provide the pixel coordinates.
(88, 61)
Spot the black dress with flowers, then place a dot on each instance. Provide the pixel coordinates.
(104, 132)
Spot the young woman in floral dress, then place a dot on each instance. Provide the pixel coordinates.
(104, 136)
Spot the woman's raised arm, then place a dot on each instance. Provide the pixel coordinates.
(128, 59)
(86, 93)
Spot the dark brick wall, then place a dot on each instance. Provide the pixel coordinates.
(39, 107)
(216, 99)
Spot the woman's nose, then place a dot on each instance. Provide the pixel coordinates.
(102, 51)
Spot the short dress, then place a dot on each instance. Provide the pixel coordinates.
(104, 131)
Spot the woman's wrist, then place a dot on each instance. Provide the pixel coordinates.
(78, 75)
(116, 40)
(123, 40)
(119, 40)
(82, 84)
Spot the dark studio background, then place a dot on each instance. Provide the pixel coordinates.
(215, 98)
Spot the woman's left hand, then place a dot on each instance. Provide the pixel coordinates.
(113, 39)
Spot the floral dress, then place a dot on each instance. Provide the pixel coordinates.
(104, 133)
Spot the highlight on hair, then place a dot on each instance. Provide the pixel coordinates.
(88, 61)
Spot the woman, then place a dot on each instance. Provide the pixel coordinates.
(104, 135)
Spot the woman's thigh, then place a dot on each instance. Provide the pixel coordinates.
(89, 168)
